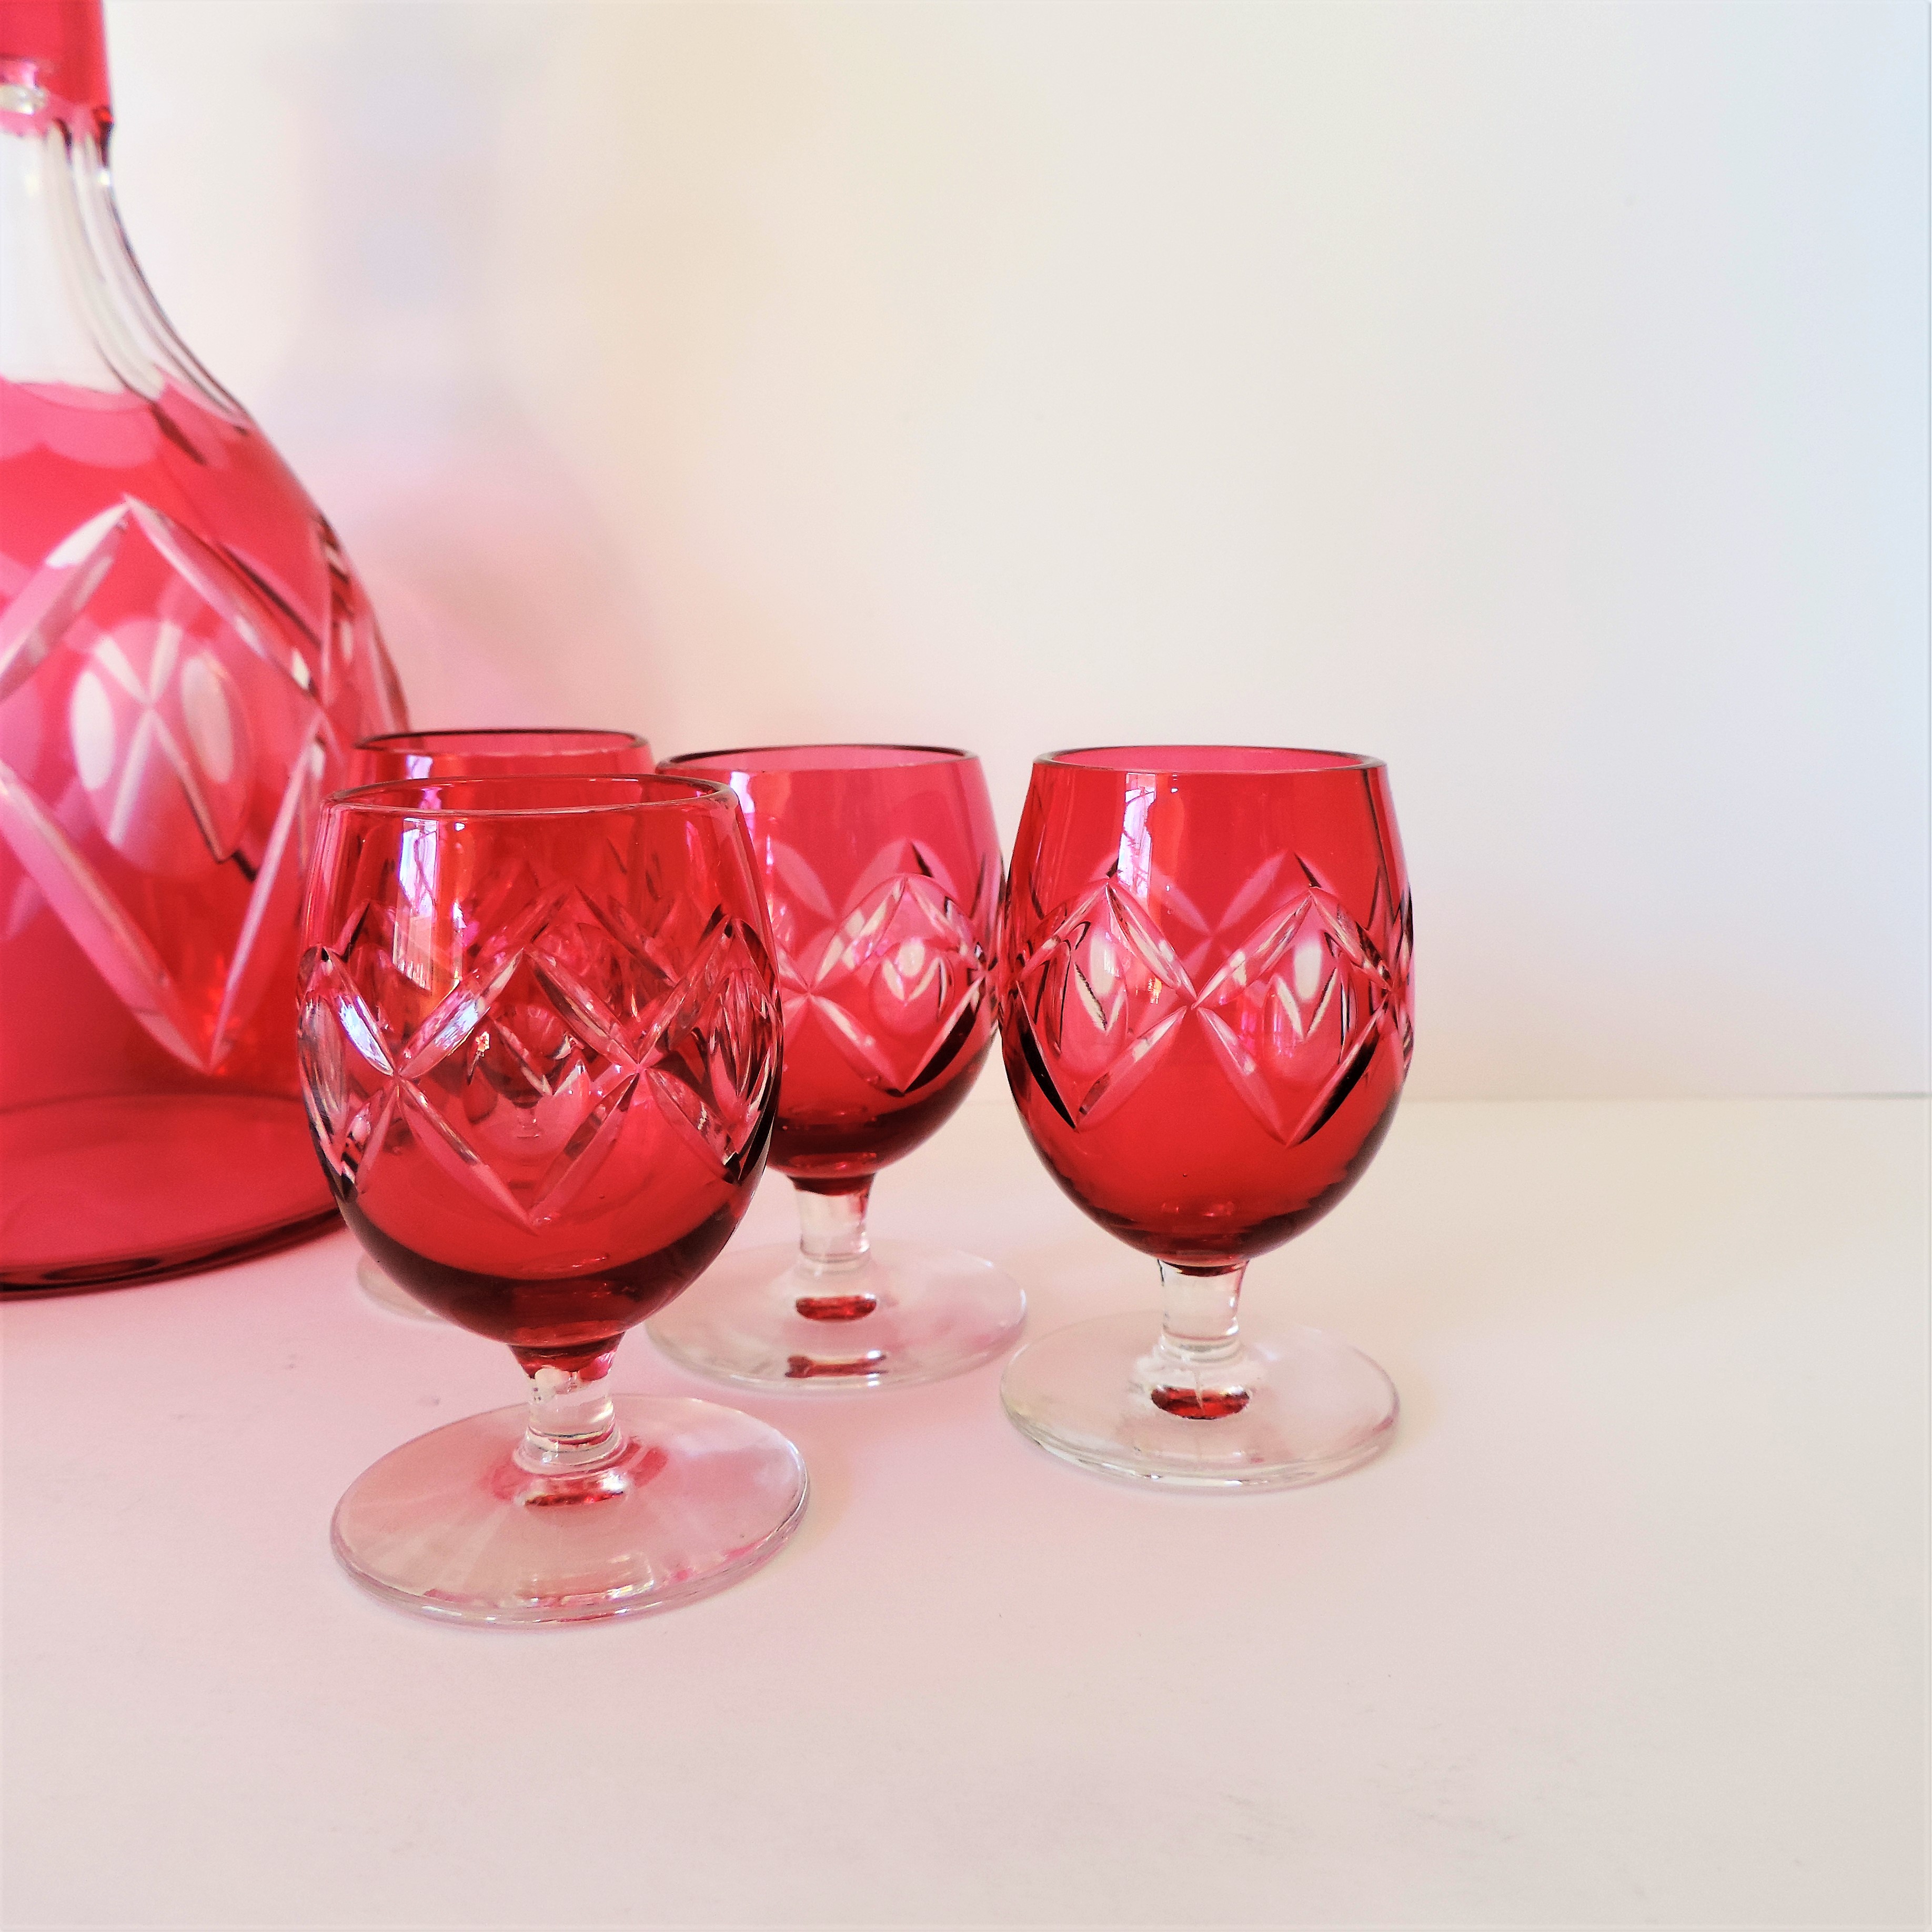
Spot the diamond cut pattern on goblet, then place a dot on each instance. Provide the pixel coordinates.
(167, 762)
(1098, 1001)
(1292, 1013)
(1305, 989)
(520, 1080)
(1391, 934)
(898, 980)
(712, 1065)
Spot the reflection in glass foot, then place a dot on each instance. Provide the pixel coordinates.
(452, 1525)
(1296, 1406)
(904, 1313)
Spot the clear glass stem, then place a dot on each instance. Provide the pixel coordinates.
(573, 1427)
(832, 1229)
(1199, 1317)
(1199, 1360)
(833, 1253)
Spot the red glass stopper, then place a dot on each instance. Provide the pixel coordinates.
(65, 43)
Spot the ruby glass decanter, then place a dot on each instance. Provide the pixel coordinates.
(482, 753)
(185, 659)
(1206, 1021)
(881, 865)
(539, 1042)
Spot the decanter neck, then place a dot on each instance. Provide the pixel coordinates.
(53, 61)
(75, 313)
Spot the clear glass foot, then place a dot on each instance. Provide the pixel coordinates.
(387, 1293)
(765, 1318)
(675, 1499)
(1276, 1406)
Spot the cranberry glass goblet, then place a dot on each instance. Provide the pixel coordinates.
(1206, 1021)
(539, 1041)
(482, 753)
(881, 868)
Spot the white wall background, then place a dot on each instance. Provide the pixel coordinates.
(1535, 395)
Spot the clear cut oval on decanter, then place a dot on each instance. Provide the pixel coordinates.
(186, 657)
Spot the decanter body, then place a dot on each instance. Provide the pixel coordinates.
(186, 659)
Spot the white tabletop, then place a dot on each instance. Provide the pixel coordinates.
(1627, 1626)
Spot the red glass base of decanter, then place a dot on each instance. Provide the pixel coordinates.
(121, 1188)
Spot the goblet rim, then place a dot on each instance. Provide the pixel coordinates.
(404, 800)
(918, 755)
(1162, 758)
(454, 737)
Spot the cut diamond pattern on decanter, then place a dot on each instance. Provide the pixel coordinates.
(180, 699)
(898, 980)
(1102, 996)
(519, 1082)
